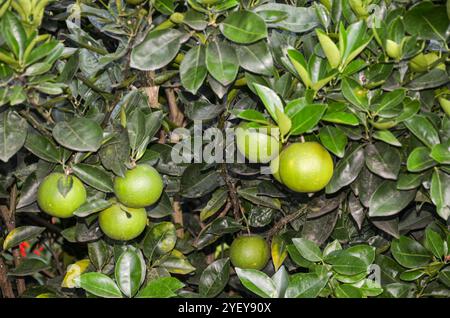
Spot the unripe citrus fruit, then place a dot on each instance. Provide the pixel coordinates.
(421, 62)
(305, 167)
(140, 187)
(393, 49)
(249, 252)
(122, 223)
(60, 195)
(256, 144)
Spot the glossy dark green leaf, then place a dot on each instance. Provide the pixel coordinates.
(347, 169)
(43, 147)
(95, 176)
(222, 62)
(422, 128)
(308, 249)
(409, 253)
(159, 240)
(214, 278)
(177, 265)
(193, 69)
(355, 94)
(80, 134)
(163, 287)
(383, 160)
(428, 21)
(21, 234)
(333, 139)
(307, 118)
(257, 282)
(157, 50)
(13, 133)
(387, 200)
(100, 285)
(440, 193)
(129, 272)
(29, 266)
(243, 27)
(387, 137)
(345, 263)
(305, 285)
(434, 243)
(387, 107)
(91, 207)
(348, 291)
(196, 183)
(256, 58)
(270, 99)
(99, 254)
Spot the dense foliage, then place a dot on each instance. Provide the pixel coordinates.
(93, 88)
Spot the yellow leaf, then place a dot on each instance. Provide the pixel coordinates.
(279, 251)
(73, 272)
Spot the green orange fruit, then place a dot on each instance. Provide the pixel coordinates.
(60, 195)
(249, 252)
(257, 144)
(135, 2)
(140, 187)
(122, 223)
(305, 167)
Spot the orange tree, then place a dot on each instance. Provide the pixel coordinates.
(95, 203)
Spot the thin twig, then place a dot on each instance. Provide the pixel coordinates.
(286, 220)
(5, 284)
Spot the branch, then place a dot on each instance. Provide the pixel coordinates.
(175, 114)
(9, 218)
(5, 284)
(286, 220)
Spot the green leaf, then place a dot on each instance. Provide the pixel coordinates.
(341, 118)
(21, 234)
(301, 66)
(305, 285)
(440, 193)
(347, 169)
(163, 287)
(256, 58)
(441, 153)
(177, 265)
(99, 284)
(409, 181)
(307, 118)
(334, 140)
(387, 137)
(91, 207)
(270, 100)
(193, 69)
(383, 160)
(419, 160)
(434, 243)
(355, 94)
(428, 21)
(348, 291)
(251, 115)
(217, 200)
(99, 254)
(80, 134)
(43, 148)
(160, 240)
(129, 272)
(243, 27)
(409, 253)
(13, 34)
(29, 266)
(13, 133)
(423, 129)
(365, 253)
(387, 200)
(387, 107)
(214, 278)
(308, 249)
(222, 62)
(157, 50)
(95, 176)
(345, 263)
(257, 282)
